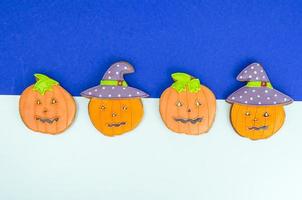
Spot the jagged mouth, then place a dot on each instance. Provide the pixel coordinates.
(116, 124)
(192, 121)
(258, 128)
(47, 120)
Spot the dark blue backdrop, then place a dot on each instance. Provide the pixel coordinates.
(75, 41)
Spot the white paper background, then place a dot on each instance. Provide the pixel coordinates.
(149, 163)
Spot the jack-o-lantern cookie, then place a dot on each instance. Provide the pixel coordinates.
(46, 107)
(187, 106)
(114, 107)
(257, 111)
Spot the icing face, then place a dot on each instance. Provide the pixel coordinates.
(50, 113)
(257, 122)
(115, 116)
(186, 112)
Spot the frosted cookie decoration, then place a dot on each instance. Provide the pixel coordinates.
(114, 107)
(187, 106)
(257, 111)
(46, 107)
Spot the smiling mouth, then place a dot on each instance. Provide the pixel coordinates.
(47, 120)
(192, 121)
(116, 124)
(258, 128)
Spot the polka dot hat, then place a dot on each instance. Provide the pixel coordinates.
(113, 84)
(258, 90)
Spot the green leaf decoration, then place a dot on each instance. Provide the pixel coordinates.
(194, 85)
(44, 83)
(185, 81)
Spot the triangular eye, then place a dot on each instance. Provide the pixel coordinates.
(266, 114)
(38, 102)
(53, 101)
(178, 104)
(197, 103)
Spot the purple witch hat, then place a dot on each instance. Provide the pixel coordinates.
(113, 84)
(258, 90)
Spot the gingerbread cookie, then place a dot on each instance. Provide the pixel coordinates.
(257, 108)
(187, 106)
(46, 107)
(114, 107)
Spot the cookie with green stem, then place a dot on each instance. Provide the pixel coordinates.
(187, 106)
(46, 107)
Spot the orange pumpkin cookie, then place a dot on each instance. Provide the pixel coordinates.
(46, 107)
(114, 107)
(257, 111)
(187, 106)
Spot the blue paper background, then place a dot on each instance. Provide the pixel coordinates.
(75, 41)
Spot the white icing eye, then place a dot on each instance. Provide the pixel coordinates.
(266, 114)
(53, 101)
(247, 114)
(102, 107)
(38, 102)
(198, 103)
(178, 104)
(125, 108)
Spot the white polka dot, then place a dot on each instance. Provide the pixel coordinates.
(124, 88)
(109, 72)
(117, 73)
(251, 98)
(240, 97)
(245, 102)
(117, 65)
(89, 93)
(113, 88)
(119, 95)
(250, 76)
(285, 99)
(275, 102)
(129, 95)
(137, 92)
(258, 96)
(258, 64)
(268, 98)
(257, 78)
(263, 76)
(275, 95)
(125, 68)
(261, 71)
(252, 67)
(100, 95)
(109, 95)
(259, 102)
(96, 90)
(109, 77)
(103, 88)
(245, 92)
(255, 72)
(245, 71)
(233, 98)
(266, 91)
(240, 77)
(253, 90)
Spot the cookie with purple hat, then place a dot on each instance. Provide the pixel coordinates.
(257, 111)
(115, 107)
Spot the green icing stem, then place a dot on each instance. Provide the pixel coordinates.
(44, 83)
(258, 84)
(113, 82)
(185, 81)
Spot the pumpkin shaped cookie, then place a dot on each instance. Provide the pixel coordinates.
(114, 107)
(187, 106)
(46, 107)
(257, 111)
